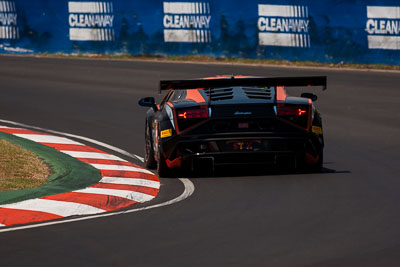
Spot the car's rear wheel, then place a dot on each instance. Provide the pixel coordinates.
(149, 160)
(317, 167)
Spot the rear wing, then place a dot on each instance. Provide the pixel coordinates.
(252, 81)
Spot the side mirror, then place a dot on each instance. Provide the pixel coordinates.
(148, 102)
(310, 96)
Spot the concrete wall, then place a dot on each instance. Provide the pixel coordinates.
(351, 31)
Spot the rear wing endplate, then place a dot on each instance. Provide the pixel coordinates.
(253, 81)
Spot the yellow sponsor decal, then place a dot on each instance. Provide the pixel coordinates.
(317, 129)
(166, 133)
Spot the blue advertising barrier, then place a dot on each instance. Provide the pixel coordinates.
(351, 31)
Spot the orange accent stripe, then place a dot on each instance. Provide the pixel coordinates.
(195, 95)
(241, 76)
(176, 163)
(226, 76)
(14, 216)
(129, 174)
(135, 188)
(280, 93)
(105, 202)
(217, 77)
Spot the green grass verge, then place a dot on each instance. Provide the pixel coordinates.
(68, 173)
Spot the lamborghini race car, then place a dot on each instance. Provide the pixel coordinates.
(220, 121)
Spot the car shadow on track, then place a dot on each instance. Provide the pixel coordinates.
(248, 170)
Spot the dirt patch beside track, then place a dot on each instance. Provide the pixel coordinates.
(20, 168)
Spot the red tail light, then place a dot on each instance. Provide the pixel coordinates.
(292, 111)
(192, 114)
(297, 114)
(187, 118)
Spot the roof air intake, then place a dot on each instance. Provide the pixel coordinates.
(258, 93)
(219, 93)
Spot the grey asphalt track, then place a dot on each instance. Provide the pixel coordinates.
(347, 216)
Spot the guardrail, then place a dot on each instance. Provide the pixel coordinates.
(325, 31)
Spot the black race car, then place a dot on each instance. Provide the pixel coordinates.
(233, 120)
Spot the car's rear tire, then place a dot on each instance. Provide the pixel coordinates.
(149, 160)
(316, 167)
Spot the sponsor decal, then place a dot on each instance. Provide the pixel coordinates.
(383, 27)
(91, 21)
(8, 20)
(187, 22)
(316, 129)
(166, 133)
(283, 25)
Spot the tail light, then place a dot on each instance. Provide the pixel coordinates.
(292, 111)
(189, 117)
(297, 114)
(192, 114)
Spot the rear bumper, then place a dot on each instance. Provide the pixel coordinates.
(211, 161)
(252, 148)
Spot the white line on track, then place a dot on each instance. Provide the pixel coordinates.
(188, 185)
(130, 181)
(91, 155)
